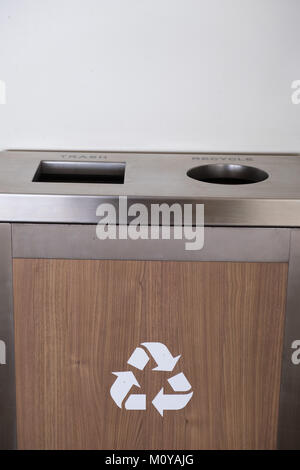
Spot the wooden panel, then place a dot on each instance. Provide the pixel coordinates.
(77, 321)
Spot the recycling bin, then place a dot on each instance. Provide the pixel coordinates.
(112, 341)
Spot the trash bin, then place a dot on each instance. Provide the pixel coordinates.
(127, 342)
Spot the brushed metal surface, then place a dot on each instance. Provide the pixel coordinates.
(7, 370)
(152, 178)
(80, 242)
(289, 409)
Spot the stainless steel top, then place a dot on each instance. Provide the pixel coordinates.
(150, 177)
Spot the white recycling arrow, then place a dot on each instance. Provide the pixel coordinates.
(180, 383)
(170, 402)
(121, 386)
(136, 402)
(162, 356)
(138, 359)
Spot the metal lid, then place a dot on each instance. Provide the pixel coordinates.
(67, 187)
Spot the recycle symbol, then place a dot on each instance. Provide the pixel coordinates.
(165, 362)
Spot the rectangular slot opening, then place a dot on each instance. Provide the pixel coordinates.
(80, 172)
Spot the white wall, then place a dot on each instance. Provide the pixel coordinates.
(198, 75)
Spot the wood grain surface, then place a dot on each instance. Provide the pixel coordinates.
(77, 321)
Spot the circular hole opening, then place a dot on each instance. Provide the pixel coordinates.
(227, 174)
